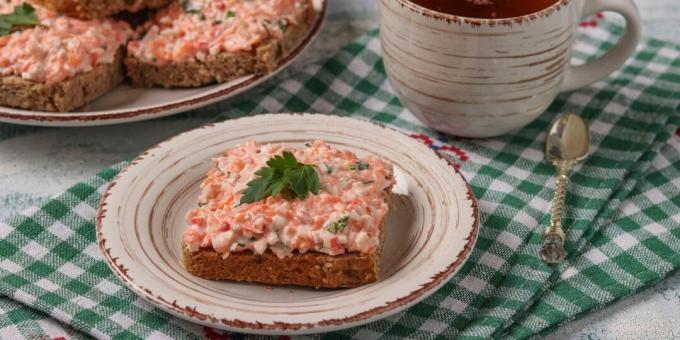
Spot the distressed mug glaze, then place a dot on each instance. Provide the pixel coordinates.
(486, 77)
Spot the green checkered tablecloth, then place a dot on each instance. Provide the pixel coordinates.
(623, 212)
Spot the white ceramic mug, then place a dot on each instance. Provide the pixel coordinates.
(486, 77)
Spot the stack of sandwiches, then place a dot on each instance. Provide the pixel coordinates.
(59, 55)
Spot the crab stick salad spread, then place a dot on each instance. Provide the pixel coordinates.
(195, 29)
(58, 47)
(344, 215)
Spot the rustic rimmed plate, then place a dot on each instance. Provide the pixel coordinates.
(430, 230)
(126, 104)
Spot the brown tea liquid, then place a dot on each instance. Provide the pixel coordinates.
(486, 9)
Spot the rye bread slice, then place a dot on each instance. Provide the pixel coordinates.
(311, 269)
(91, 9)
(64, 96)
(222, 67)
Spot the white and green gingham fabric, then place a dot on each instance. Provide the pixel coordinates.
(623, 213)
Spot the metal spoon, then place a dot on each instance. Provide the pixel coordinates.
(567, 144)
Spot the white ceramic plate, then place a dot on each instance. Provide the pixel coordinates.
(430, 230)
(125, 104)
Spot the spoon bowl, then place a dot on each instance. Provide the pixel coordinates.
(568, 139)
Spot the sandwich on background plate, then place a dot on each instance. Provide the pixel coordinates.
(91, 9)
(52, 62)
(192, 43)
(58, 63)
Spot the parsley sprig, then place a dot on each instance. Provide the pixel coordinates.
(22, 17)
(339, 225)
(191, 8)
(360, 165)
(285, 175)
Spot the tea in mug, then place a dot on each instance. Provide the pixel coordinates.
(487, 9)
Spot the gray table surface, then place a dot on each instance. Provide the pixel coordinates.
(37, 163)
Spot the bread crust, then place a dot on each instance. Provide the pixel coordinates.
(90, 9)
(68, 95)
(222, 67)
(310, 269)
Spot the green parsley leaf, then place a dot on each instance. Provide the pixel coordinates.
(339, 225)
(329, 170)
(231, 14)
(313, 183)
(22, 17)
(281, 24)
(190, 7)
(303, 180)
(298, 183)
(257, 188)
(282, 175)
(360, 165)
(266, 28)
(279, 186)
(284, 161)
(202, 204)
(240, 244)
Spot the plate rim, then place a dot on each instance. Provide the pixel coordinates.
(113, 116)
(279, 327)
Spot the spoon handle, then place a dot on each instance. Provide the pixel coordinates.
(552, 243)
(560, 195)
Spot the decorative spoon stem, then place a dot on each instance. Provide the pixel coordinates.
(568, 143)
(552, 246)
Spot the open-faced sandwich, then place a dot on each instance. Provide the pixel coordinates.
(91, 9)
(197, 42)
(50, 62)
(309, 216)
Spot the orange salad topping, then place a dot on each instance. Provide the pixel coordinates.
(58, 47)
(344, 215)
(194, 29)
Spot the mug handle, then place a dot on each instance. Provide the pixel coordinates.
(582, 75)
